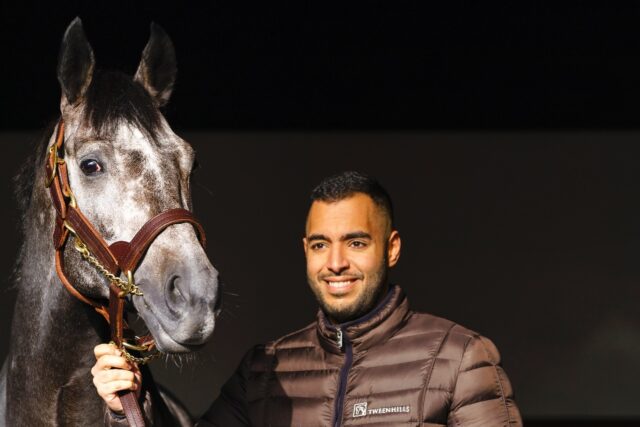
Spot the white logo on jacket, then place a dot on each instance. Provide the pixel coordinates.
(361, 410)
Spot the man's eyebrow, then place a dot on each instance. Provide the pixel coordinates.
(356, 235)
(313, 237)
(344, 237)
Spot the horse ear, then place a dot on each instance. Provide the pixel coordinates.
(157, 69)
(75, 62)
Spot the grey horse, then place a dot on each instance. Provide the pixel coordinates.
(125, 165)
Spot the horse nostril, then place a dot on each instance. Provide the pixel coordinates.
(173, 286)
(174, 295)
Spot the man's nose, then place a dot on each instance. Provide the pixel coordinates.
(338, 262)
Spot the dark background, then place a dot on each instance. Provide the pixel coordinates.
(350, 65)
(506, 133)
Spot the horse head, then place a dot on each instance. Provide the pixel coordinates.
(126, 165)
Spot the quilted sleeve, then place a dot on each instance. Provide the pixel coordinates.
(483, 396)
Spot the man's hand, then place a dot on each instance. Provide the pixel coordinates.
(113, 373)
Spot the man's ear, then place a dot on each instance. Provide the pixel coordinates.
(304, 245)
(393, 248)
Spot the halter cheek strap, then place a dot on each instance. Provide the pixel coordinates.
(110, 260)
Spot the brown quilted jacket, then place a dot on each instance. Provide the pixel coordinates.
(393, 367)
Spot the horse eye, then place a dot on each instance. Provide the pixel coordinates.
(90, 167)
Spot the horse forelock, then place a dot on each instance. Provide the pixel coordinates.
(113, 98)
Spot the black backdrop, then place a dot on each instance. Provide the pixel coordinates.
(505, 134)
(350, 65)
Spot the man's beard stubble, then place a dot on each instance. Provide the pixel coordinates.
(371, 295)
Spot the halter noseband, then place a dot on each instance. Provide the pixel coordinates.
(110, 260)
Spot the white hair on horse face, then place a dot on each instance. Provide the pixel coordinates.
(124, 191)
(116, 198)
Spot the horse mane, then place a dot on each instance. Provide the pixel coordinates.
(24, 180)
(23, 183)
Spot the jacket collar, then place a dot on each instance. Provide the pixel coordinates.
(374, 327)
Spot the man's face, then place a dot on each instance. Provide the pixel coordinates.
(349, 247)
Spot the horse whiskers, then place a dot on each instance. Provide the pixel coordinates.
(231, 294)
(227, 313)
(236, 302)
(204, 187)
(179, 359)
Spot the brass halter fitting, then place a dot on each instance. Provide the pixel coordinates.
(53, 152)
(126, 287)
(66, 191)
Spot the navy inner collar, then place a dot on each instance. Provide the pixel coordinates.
(365, 317)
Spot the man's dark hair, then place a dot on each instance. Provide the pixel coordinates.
(346, 184)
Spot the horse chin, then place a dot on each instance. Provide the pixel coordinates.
(164, 341)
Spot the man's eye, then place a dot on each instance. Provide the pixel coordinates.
(90, 167)
(318, 246)
(358, 244)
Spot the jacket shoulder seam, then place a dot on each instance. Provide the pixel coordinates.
(477, 336)
(470, 337)
(497, 374)
(433, 363)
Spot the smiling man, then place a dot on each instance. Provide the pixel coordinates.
(367, 359)
(349, 245)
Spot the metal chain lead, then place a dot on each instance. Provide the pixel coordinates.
(138, 360)
(127, 287)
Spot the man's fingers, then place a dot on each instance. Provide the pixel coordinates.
(104, 349)
(110, 362)
(113, 402)
(108, 389)
(113, 375)
(115, 386)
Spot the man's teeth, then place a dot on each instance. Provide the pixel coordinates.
(341, 284)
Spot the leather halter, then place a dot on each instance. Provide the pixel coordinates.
(119, 257)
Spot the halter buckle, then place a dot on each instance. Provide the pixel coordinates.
(130, 287)
(53, 152)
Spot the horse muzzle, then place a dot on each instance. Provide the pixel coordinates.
(181, 313)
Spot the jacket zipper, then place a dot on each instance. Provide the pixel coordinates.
(345, 345)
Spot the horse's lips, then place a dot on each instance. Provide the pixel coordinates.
(164, 342)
